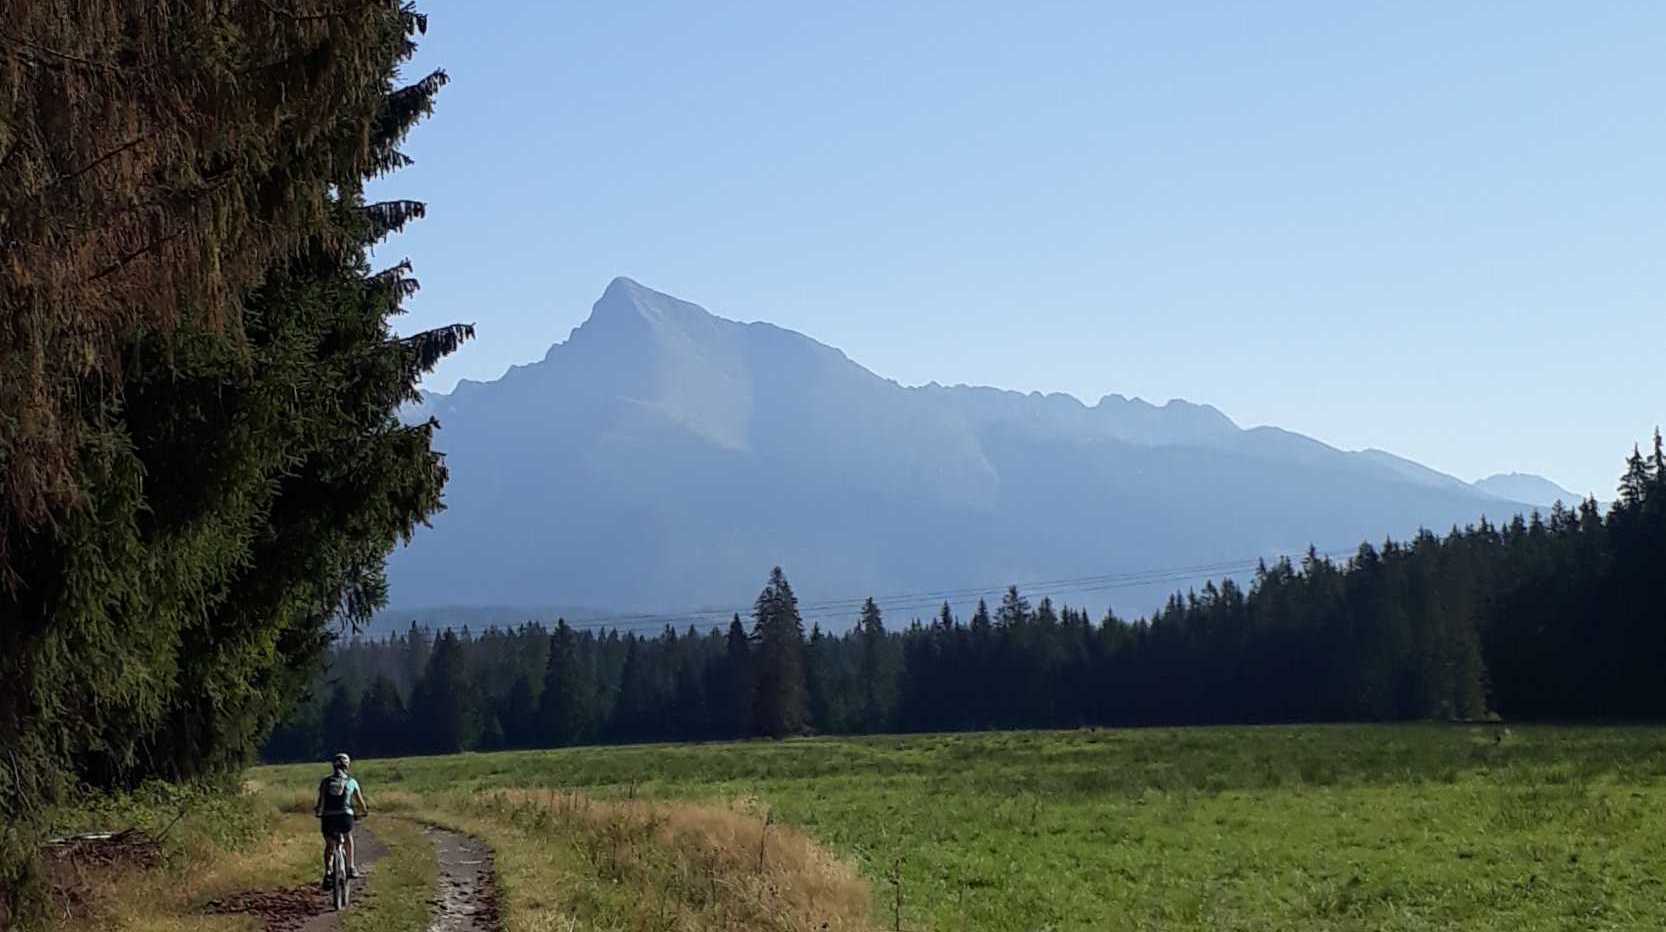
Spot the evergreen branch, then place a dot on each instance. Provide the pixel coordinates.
(127, 259)
(100, 160)
(293, 16)
(391, 216)
(430, 346)
(63, 57)
(402, 108)
(413, 21)
(394, 272)
(427, 87)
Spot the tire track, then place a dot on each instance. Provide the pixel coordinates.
(370, 850)
(465, 899)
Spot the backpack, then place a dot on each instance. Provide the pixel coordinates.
(335, 792)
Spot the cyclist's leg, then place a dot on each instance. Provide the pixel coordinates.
(352, 861)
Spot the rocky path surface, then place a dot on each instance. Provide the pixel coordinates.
(465, 899)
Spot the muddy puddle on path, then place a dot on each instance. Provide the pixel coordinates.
(464, 898)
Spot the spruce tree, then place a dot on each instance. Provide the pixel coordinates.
(565, 708)
(340, 719)
(691, 713)
(981, 626)
(780, 696)
(821, 697)
(160, 160)
(877, 676)
(239, 478)
(1634, 484)
(518, 715)
(414, 658)
(446, 708)
(634, 715)
(1657, 461)
(1014, 611)
(737, 683)
(382, 723)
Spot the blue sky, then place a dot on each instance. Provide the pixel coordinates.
(1434, 228)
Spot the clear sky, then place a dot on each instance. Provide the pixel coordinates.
(1433, 228)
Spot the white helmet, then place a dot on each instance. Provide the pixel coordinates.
(343, 761)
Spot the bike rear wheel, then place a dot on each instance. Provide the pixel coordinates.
(341, 893)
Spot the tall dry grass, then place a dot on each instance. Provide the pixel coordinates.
(570, 861)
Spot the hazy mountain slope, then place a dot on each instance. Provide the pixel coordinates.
(1526, 487)
(664, 458)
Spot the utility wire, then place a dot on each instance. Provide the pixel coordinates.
(845, 608)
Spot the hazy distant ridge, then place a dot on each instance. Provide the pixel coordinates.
(1525, 487)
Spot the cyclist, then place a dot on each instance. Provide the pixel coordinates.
(334, 809)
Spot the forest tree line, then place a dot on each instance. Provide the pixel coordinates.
(1557, 615)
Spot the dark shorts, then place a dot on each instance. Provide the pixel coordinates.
(336, 823)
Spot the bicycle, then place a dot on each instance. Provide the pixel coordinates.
(340, 884)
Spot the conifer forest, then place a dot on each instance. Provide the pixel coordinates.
(1550, 617)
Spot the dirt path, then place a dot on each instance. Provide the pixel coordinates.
(305, 908)
(465, 900)
(370, 850)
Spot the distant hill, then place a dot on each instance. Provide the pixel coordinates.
(1526, 487)
(663, 457)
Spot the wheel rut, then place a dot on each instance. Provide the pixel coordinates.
(465, 897)
(305, 908)
(370, 850)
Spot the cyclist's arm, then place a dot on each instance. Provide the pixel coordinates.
(318, 803)
(363, 807)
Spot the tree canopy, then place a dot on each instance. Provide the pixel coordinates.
(201, 467)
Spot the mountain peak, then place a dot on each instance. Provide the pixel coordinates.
(629, 312)
(623, 290)
(631, 296)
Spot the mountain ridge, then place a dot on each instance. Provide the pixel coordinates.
(704, 450)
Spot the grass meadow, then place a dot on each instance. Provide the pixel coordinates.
(1309, 827)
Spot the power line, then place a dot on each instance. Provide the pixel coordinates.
(844, 608)
(854, 603)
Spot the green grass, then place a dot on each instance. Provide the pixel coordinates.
(396, 898)
(1344, 827)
